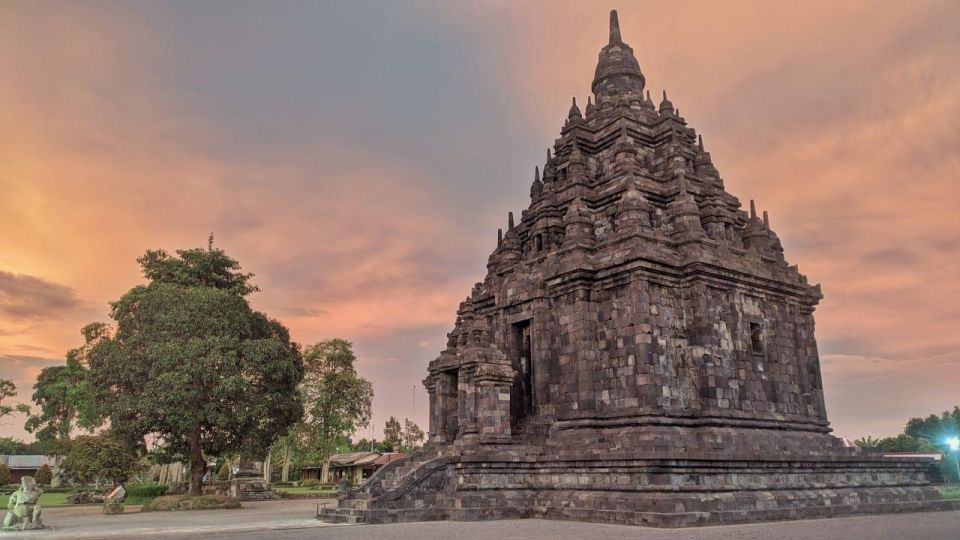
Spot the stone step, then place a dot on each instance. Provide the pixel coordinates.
(342, 515)
(360, 504)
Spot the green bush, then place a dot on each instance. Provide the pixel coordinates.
(145, 491)
(44, 475)
(4, 474)
(310, 482)
(224, 473)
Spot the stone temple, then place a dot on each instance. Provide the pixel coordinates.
(639, 352)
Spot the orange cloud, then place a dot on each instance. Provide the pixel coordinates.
(838, 117)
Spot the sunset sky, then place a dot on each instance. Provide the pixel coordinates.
(359, 156)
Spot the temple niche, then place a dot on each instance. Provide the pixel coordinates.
(640, 351)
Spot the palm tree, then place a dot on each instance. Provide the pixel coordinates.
(867, 442)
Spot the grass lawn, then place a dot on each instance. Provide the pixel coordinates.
(47, 499)
(306, 491)
(950, 492)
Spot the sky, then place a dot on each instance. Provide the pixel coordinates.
(359, 156)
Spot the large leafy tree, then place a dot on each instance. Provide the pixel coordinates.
(927, 434)
(337, 400)
(393, 434)
(192, 366)
(412, 435)
(65, 396)
(406, 437)
(935, 428)
(7, 391)
(92, 458)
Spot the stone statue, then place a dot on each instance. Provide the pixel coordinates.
(113, 503)
(23, 511)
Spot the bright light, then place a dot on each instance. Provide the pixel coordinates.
(954, 443)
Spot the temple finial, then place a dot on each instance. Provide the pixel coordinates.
(536, 173)
(549, 157)
(700, 142)
(574, 111)
(766, 219)
(499, 238)
(510, 221)
(614, 27)
(753, 210)
(666, 106)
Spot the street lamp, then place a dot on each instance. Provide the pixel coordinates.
(954, 444)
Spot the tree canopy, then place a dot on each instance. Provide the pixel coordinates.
(337, 400)
(93, 458)
(405, 437)
(927, 434)
(192, 365)
(9, 390)
(64, 394)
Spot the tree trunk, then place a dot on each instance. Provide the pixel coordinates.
(325, 470)
(285, 474)
(197, 464)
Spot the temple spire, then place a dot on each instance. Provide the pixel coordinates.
(615, 28)
(666, 106)
(574, 111)
(618, 75)
(510, 221)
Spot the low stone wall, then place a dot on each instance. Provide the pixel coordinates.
(653, 492)
(251, 489)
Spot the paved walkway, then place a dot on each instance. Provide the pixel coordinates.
(89, 522)
(922, 526)
(293, 520)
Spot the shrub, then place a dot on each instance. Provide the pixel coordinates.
(44, 475)
(146, 491)
(310, 482)
(92, 457)
(224, 473)
(4, 474)
(172, 503)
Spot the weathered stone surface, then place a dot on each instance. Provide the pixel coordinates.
(250, 489)
(639, 352)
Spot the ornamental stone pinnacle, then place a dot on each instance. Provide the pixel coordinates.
(639, 352)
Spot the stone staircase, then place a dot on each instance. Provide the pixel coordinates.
(348, 510)
(374, 496)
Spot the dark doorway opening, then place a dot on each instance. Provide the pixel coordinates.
(522, 399)
(449, 399)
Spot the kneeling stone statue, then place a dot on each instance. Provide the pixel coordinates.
(23, 512)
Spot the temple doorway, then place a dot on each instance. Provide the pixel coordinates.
(449, 394)
(522, 399)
